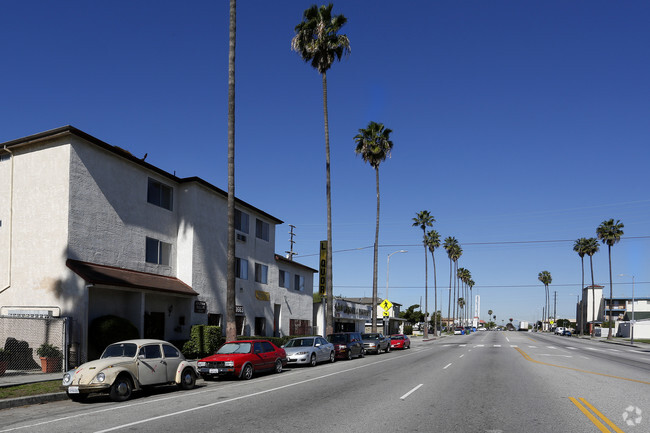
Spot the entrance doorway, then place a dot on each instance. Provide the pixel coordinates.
(154, 325)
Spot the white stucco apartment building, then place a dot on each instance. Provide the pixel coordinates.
(87, 229)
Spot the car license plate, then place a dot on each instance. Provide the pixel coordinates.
(73, 390)
(214, 371)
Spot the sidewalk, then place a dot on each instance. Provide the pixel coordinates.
(617, 340)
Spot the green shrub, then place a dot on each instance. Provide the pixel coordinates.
(408, 329)
(204, 341)
(106, 330)
(49, 351)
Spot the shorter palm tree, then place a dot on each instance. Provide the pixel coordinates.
(424, 219)
(592, 247)
(546, 279)
(610, 232)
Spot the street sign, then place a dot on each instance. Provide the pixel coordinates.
(386, 314)
(386, 305)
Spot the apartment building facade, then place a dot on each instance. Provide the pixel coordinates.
(87, 229)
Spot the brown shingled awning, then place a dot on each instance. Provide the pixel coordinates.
(111, 276)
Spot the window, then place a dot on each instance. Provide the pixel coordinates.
(261, 273)
(241, 268)
(241, 221)
(262, 230)
(170, 351)
(267, 347)
(160, 194)
(151, 352)
(301, 327)
(284, 279)
(158, 252)
(299, 283)
(214, 319)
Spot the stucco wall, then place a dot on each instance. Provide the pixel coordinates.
(39, 227)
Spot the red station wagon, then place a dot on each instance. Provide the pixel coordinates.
(242, 358)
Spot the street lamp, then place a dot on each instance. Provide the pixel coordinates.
(631, 321)
(386, 330)
(388, 267)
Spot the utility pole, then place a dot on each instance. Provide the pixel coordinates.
(290, 253)
(555, 307)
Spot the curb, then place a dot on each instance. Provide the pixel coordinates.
(9, 403)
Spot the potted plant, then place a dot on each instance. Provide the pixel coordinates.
(4, 360)
(50, 358)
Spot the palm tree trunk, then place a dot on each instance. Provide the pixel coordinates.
(582, 325)
(449, 301)
(611, 292)
(435, 296)
(593, 299)
(374, 264)
(453, 316)
(329, 316)
(231, 326)
(426, 290)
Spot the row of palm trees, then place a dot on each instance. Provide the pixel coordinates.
(431, 241)
(609, 233)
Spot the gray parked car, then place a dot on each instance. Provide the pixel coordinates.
(309, 350)
(375, 343)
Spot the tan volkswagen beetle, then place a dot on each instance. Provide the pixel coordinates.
(128, 366)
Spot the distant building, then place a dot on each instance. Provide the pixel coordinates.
(594, 308)
(88, 229)
(393, 323)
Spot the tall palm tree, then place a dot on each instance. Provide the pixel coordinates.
(424, 219)
(231, 326)
(374, 145)
(546, 279)
(610, 232)
(457, 253)
(317, 41)
(448, 245)
(471, 283)
(489, 314)
(591, 248)
(579, 246)
(433, 242)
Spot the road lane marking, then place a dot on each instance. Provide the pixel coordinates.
(551, 347)
(614, 350)
(528, 358)
(410, 392)
(532, 347)
(445, 367)
(480, 345)
(461, 356)
(508, 339)
(497, 345)
(593, 418)
(513, 345)
(572, 348)
(462, 345)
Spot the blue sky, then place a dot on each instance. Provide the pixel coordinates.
(512, 121)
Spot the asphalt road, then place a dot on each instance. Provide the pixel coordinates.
(484, 382)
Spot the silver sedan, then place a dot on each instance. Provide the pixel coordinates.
(309, 350)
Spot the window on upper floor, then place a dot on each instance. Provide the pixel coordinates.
(241, 268)
(160, 194)
(158, 252)
(299, 283)
(262, 229)
(283, 280)
(241, 221)
(261, 273)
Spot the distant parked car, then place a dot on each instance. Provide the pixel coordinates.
(309, 350)
(242, 358)
(559, 330)
(400, 341)
(128, 366)
(375, 343)
(459, 331)
(566, 333)
(347, 344)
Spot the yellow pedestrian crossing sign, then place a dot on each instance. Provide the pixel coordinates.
(386, 305)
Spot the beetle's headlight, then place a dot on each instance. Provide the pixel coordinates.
(67, 379)
(101, 377)
(201, 364)
(229, 363)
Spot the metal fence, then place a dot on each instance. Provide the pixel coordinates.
(21, 337)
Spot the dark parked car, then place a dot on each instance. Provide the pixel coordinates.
(375, 343)
(347, 344)
(566, 333)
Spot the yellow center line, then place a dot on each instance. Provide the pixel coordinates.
(528, 358)
(588, 414)
(601, 416)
